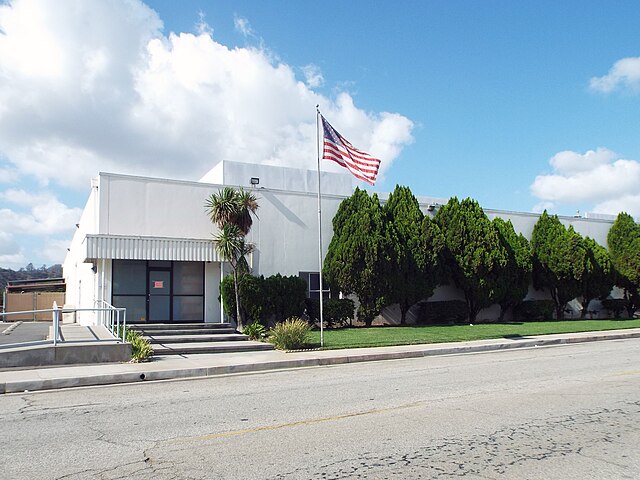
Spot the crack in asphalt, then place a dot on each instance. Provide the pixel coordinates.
(484, 456)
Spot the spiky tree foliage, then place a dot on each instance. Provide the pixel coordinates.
(232, 246)
(357, 259)
(231, 210)
(473, 252)
(624, 247)
(410, 275)
(559, 258)
(513, 283)
(599, 276)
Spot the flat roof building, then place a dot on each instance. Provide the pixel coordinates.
(146, 243)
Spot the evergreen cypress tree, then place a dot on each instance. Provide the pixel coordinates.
(513, 283)
(357, 260)
(473, 252)
(559, 259)
(410, 275)
(624, 248)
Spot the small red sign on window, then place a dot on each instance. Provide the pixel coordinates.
(158, 284)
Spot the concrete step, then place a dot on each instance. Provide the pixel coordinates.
(210, 347)
(190, 338)
(202, 331)
(179, 326)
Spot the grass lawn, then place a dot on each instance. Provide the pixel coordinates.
(386, 336)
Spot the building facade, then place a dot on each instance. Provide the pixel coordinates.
(146, 243)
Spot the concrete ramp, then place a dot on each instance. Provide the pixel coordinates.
(80, 345)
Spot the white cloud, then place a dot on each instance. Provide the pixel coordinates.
(568, 162)
(8, 174)
(625, 73)
(54, 251)
(597, 178)
(46, 215)
(14, 261)
(243, 26)
(626, 203)
(202, 26)
(95, 86)
(542, 206)
(11, 255)
(8, 245)
(313, 76)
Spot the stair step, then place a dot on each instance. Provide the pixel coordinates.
(179, 326)
(212, 347)
(202, 331)
(187, 338)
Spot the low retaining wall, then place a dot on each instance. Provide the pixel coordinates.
(64, 354)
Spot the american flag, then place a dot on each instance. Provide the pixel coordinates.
(339, 150)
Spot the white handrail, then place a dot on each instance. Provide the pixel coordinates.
(56, 323)
(114, 319)
(110, 317)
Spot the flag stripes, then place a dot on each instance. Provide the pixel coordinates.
(337, 149)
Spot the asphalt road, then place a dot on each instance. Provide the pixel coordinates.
(21, 332)
(547, 413)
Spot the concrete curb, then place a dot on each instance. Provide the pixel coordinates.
(321, 360)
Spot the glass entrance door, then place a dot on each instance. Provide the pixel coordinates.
(159, 294)
(159, 291)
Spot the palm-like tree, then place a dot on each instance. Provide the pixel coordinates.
(231, 210)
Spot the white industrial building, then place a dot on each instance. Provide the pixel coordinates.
(146, 243)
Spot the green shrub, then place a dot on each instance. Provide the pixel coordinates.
(442, 312)
(534, 311)
(141, 349)
(290, 335)
(265, 300)
(285, 296)
(228, 296)
(255, 331)
(615, 305)
(312, 310)
(337, 312)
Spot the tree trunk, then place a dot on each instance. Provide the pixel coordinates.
(503, 310)
(403, 314)
(239, 324)
(471, 307)
(585, 307)
(556, 301)
(631, 308)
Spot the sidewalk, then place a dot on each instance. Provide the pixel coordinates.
(204, 365)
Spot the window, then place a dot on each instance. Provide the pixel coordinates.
(159, 291)
(313, 285)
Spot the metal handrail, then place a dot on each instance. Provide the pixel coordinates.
(55, 311)
(114, 319)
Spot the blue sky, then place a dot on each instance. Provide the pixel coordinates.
(520, 105)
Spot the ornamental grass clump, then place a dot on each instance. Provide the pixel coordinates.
(292, 334)
(141, 349)
(255, 331)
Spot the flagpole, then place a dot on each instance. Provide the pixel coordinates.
(319, 229)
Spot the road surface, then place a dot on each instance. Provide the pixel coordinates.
(561, 412)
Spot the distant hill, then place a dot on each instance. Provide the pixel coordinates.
(29, 273)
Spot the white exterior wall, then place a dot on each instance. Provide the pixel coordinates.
(80, 278)
(285, 232)
(524, 222)
(212, 310)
